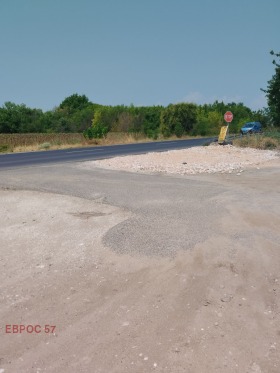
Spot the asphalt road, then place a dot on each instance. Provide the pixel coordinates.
(92, 153)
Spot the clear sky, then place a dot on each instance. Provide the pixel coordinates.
(141, 52)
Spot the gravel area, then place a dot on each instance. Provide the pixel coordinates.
(140, 273)
(196, 160)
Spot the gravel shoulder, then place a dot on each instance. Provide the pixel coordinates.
(196, 160)
(140, 273)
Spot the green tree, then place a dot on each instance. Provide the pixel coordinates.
(20, 119)
(273, 92)
(74, 114)
(74, 102)
(82, 119)
(208, 122)
(261, 115)
(182, 116)
(178, 130)
(106, 116)
(210, 117)
(151, 121)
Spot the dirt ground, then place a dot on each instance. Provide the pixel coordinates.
(212, 308)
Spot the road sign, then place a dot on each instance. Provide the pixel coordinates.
(228, 117)
(223, 134)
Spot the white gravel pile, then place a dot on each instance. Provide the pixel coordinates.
(197, 160)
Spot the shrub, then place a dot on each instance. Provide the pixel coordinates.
(152, 134)
(88, 134)
(4, 148)
(269, 143)
(201, 128)
(174, 114)
(97, 131)
(270, 132)
(178, 130)
(45, 145)
(258, 142)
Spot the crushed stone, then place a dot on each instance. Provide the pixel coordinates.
(196, 160)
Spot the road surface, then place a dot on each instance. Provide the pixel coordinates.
(92, 153)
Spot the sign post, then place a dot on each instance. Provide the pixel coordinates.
(228, 117)
(222, 135)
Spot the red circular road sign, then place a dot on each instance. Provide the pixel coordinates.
(228, 117)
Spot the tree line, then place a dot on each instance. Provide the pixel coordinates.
(77, 114)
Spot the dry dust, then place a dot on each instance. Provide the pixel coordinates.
(214, 308)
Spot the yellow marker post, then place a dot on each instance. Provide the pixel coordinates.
(222, 135)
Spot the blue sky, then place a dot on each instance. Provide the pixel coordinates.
(146, 52)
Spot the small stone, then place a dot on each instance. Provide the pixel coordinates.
(255, 368)
(226, 298)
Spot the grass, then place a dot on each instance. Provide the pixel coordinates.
(41, 142)
(267, 141)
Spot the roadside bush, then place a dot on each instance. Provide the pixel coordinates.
(152, 134)
(88, 134)
(179, 130)
(258, 142)
(173, 115)
(4, 148)
(45, 145)
(269, 143)
(165, 129)
(201, 128)
(208, 123)
(97, 131)
(273, 133)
